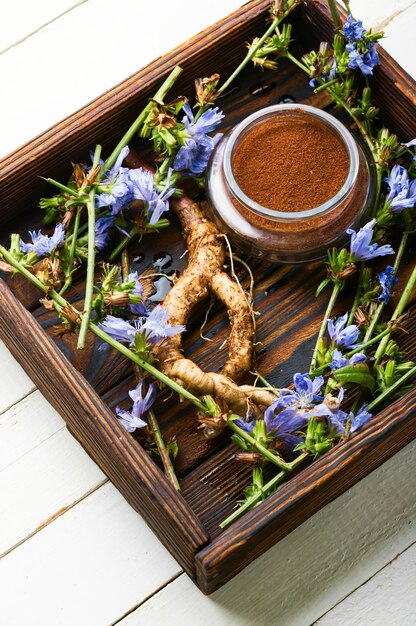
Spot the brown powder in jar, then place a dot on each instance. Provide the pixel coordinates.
(292, 166)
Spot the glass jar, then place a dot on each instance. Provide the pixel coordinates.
(289, 236)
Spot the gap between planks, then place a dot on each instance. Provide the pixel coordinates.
(322, 621)
(137, 606)
(42, 27)
(386, 21)
(55, 516)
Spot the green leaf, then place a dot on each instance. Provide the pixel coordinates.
(322, 286)
(358, 374)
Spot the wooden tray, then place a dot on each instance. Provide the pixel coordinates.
(84, 387)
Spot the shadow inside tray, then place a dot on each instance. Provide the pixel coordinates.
(288, 319)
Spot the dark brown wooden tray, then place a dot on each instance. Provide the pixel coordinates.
(84, 387)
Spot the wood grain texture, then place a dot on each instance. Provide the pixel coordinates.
(314, 567)
(396, 581)
(58, 586)
(290, 316)
(91, 422)
(14, 382)
(307, 492)
(53, 486)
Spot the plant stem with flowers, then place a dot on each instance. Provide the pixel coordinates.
(297, 423)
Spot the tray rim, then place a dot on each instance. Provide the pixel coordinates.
(15, 336)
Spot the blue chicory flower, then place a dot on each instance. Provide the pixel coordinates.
(402, 194)
(339, 360)
(387, 280)
(284, 424)
(361, 418)
(205, 124)
(117, 194)
(102, 226)
(246, 424)
(143, 188)
(42, 244)
(157, 327)
(365, 62)
(195, 154)
(280, 424)
(132, 420)
(306, 392)
(361, 247)
(342, 335)
(119, 329)
(138, 290)
(353, 29)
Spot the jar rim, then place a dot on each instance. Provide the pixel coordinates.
(342, 132)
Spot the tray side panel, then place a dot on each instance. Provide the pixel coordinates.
(93, 424)
(307, 493)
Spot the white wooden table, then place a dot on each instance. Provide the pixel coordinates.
(72, 550)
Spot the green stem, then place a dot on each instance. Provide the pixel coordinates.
(267, 384)
(69, 271)
(252, 52)
(134, 128)
(379, 180)
(370, 342)
(266, 490)
(397, 312)
(297, 62)
(67, 190)
(325, 85)
(102, 334)
(334, 12)
(122, 245)
(392, 389)
(329, 308)
(268, 454)
(89, 283)
(163, 451)
(357, 297)
(84, 227)
(380, 307)
(150, 369)
(357, 122)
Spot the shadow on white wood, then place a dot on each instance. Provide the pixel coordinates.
(388, 599)
(310, 570)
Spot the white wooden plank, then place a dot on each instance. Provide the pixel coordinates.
(400, 39)
(86, 52)
(374, 12)
(396, 583)
(43, 479)
(50, 576)
(21, 19)
(64, 83)
(26, 425)
(14, 383)
(313, 568)
(87, 568)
